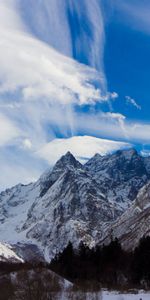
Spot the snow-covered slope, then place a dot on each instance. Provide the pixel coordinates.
(121, 175)
(134, 223)
(64, 204)
(72, 207)
(8, 255)
(72, 202)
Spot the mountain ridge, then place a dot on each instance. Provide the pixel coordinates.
(72, 202)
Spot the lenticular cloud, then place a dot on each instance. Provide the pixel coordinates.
(82, 147)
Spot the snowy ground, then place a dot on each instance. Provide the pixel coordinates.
(115, 296)
(104, 296)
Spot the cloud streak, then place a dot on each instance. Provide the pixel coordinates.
(78, 27)
(133, 102)
(136, 13)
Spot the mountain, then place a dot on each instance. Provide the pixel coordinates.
(134, 223)
(121, 175)
(64, 204)
(71, 202)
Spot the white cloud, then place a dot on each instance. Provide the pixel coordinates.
(120, 119)
(36, 70)
(145, 153)
(82, 147)
(133, 102)
(113, 95)
(115, 116)
(112, 126)
(135, 13)
(27, 144)
(49, 21)
(8, 130)
(37, 84)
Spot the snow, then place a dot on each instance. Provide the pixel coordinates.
(6, 253)
(105, 295)
(15, 204)
(118, 296)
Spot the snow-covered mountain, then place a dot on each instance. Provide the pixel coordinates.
(72, 202)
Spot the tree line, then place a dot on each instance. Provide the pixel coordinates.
(90, 270)
(108, 265)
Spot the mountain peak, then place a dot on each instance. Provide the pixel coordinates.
(95, 159)
(97, 155)
(67, 160)
(69, 154)
(127, 152)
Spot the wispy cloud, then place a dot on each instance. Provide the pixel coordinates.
(119, 119)
(35, 69)
(133, 102)
(8, 131)
(65, 19)
(145, 153)
(136, 13)
(106, 125)
(36, 81)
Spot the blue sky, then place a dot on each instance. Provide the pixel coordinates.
(127, 66)
(74, 76)
(127, 61)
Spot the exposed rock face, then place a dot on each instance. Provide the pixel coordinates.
(72, 202)
(133, 224)
(121, 175)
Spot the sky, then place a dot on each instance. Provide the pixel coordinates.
(74, 76)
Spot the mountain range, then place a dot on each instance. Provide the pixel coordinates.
(109, 195)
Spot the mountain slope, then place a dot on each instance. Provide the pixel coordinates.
(73, 208)
(121, 175)
(66, 203)
(72, 202)
(8, 255)
(134, 223)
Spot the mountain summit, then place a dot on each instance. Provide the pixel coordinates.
(121, 174)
